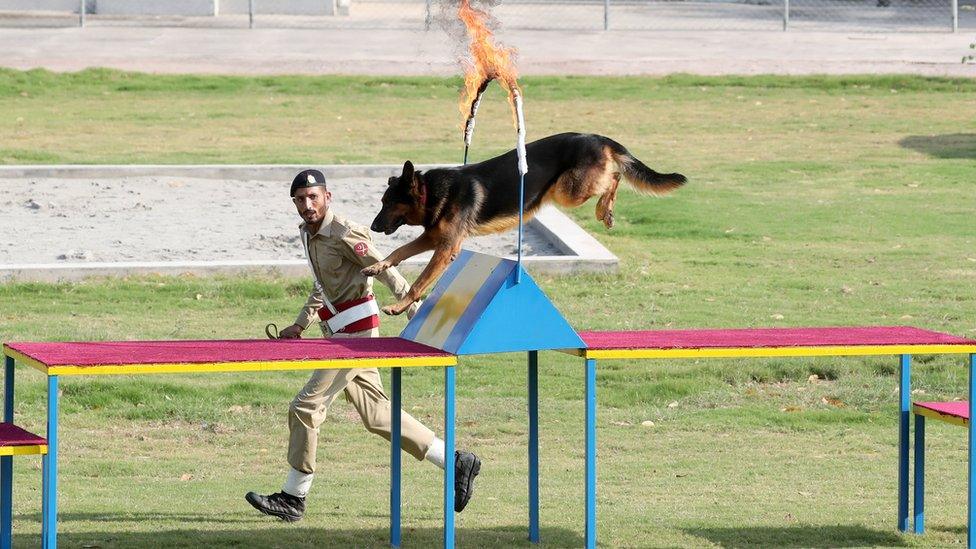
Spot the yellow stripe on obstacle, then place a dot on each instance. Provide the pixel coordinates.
(27, 450)
(761, 352)
(954, 420)
(175, 368)
(182, 367)
(24, 359)
(455, 300)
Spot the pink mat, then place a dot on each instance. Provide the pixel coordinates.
(768, 337)
(11, 435)
(958, 409)
(101, 353)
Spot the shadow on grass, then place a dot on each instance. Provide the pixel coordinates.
(961, 529)
(953, 145)
(144, 518)
(817, 537)
(290, 536)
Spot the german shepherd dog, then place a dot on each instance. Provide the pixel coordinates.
(476, 199)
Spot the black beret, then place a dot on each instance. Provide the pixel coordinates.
(307, 178)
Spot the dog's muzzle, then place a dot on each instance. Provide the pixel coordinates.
(385, 228)
(377, 227)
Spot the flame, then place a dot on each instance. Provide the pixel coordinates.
(489, 61)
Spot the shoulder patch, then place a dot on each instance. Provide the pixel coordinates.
(361, 248)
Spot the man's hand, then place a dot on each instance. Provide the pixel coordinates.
(292, 332)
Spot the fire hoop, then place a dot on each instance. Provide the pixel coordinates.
(491, 61)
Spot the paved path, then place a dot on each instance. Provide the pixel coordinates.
(405, 52)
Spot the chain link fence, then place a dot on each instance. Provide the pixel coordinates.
(594, 15)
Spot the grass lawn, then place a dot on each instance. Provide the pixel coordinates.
(812, 201)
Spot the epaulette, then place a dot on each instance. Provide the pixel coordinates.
(339, 228)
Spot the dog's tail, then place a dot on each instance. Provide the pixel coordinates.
(640, 176)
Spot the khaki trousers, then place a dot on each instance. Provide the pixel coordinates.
(364, 390)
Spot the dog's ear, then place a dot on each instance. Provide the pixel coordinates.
(407, 175)
(393, 181)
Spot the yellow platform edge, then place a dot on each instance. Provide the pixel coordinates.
(932, 414)
(761, 352)
(26, 450)
(274, 365)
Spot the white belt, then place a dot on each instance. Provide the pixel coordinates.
(353, 314)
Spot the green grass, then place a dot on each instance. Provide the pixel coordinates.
(812, 201)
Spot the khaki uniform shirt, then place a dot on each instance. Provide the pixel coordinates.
(338, 252)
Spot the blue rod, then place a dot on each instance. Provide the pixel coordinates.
(518, 270)
(534, 446)
(449, 457)
(49, 506)
(919, 503)
(7, 462)
(396, 417)
(591, 453)
(971, 501)
(8, 390)
(6, 501)
(904, 396)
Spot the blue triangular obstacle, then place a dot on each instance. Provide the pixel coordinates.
(477, 308)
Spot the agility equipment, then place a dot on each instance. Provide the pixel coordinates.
(770, 342)
(14, 441)
(152, 357)
(471, 311)
(954, 413)
(479, 307)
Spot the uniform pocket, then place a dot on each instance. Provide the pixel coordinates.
(332, 262)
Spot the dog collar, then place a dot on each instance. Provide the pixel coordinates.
(423, 195)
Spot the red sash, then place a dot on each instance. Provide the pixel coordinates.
(367, 323)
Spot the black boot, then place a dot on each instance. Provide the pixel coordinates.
(466, 467)
(285, 506)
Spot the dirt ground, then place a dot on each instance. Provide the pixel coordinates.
(177, 49)
(161, 218)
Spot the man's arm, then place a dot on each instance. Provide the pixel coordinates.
(305, 317)
(310, 311)
(365, 253)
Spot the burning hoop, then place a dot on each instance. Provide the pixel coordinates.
(491, 61)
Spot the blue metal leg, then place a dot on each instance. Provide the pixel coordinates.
(919, 504)
(971, 500)
(904, 413)
(49, 507)
(8, 390)
(449, 457)
(395, 465)
(591, 454)
(533, 383)
(7, 462)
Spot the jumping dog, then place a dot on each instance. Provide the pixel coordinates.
(483, 198)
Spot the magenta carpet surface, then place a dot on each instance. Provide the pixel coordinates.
(958, 409)
(768, 337)
(11, 435)
(103, 353)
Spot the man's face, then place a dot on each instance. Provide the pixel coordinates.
(312, 203)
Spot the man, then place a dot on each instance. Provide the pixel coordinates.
(337, 250)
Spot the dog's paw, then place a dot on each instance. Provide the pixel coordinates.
(376, 268)
(608, 219)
